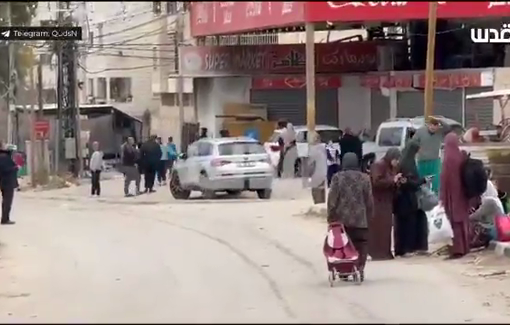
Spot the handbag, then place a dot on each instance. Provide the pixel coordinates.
(503, 228)
(427, 199)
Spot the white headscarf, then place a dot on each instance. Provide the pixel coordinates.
(491, 193)
(289, 134)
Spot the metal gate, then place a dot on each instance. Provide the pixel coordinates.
(447, 103)
(290, 104)
(478, 112)
(379, 109)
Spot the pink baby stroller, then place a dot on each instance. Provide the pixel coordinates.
(341, 256)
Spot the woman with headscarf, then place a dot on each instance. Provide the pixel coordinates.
(384, 177)
(350, 202)
(288, 155)
(410, 232)
(317, 168)
(452, 197)
(483, 219)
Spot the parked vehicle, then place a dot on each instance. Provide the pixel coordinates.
(394, 133)
(326, 133)
(229, 165)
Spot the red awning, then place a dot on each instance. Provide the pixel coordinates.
(217, 18)
(397, 11)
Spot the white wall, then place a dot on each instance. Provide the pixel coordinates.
(213, 93)
(354, 104)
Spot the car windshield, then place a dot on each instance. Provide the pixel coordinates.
(240, 148)
(325, 135)
(390, 137)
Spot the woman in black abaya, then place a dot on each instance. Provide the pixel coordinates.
(410, 224)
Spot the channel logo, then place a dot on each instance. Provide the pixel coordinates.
(6, 34)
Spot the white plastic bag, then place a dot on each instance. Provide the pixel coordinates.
(440, 229)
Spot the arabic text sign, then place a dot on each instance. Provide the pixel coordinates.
(403, 80)
(443, 80)
(277, 59)
(397, 11)
(214, 17)
(491, 35)
(295, 82)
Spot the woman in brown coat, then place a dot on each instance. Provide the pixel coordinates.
(383, 178)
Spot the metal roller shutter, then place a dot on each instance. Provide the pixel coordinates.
(478, 112)
(379, 109)
(409, 103)
(447, 103)
(290, 104)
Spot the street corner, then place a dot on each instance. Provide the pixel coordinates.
(500, 248)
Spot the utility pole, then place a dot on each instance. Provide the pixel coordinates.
(310, 79)
(180, 80)
(43, 173)
(32, 128)
(429, 70)
(10, 70)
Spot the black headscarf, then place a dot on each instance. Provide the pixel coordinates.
(408, 160)
(350, 161)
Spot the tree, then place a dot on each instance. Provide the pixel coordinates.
(21, 15)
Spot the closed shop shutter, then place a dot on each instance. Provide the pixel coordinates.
(379, 109)
(290, 104)
(478, 112)
(446, 103)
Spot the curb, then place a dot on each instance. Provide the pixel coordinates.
(500, 248)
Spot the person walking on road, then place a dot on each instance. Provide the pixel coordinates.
(129, 159)
(96, 166)
(151, 158)
(384, 179)
(8, 183)
(163, 163)
(350, 143)
(430, 138)
(452, 197)
(172, 153)
(351, 203)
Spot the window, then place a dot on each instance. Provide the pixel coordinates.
(187, 99)
(204, 149)
(325, 136)
(240, 148)
(154, 58)
(156, 7)
(390, 137)
(171, 7)
(120, 90)
(101, 88)
(90, 87)
(46, 58)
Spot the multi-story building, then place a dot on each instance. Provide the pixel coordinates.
(127, 58)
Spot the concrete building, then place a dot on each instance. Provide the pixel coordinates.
(128, 53)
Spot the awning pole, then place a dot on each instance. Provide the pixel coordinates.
(429, 72)
(310, 78)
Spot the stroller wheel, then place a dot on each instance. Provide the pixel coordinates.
(331, 278)
(357, 277)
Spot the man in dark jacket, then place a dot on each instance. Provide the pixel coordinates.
(151, 156)
(129, 165)
(350, 143)
(8, 183)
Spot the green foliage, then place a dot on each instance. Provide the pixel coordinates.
(21, 15)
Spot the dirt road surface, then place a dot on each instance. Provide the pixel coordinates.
(230, 260)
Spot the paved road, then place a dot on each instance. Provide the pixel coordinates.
(230, 260)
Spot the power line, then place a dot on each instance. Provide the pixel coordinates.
(130, 28)
(124, 69)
